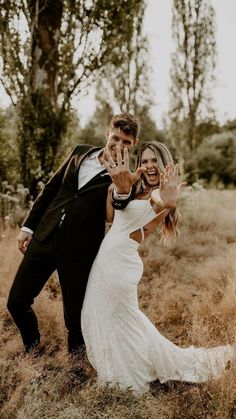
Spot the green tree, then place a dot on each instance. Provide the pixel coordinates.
(126, 82)
(52, 51)
(192, 72)
(9, 152)
(95, 130)
(217, 158)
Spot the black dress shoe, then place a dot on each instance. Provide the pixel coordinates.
(31, 346)
(77, 362)
(36, 349)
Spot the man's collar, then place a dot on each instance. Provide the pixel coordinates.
(96, 154)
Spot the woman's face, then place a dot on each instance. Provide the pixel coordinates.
(149, 161)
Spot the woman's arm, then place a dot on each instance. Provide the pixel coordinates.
(166, 197)
(161, 212)
(109, 208)
(150, 227)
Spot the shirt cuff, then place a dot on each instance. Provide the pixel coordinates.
(120, 196)
(27, 230)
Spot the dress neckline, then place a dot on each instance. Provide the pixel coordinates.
(145, 200)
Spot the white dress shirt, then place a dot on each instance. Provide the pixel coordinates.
(89, 168)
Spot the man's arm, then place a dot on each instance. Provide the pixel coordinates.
(40, 205)
(120, 201)
(46, 196)
(114, 201)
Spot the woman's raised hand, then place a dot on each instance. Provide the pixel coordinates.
(169, 189)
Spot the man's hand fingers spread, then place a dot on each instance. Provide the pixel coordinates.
(126, 158)
(108, 167)
(110, 159)
(119, 155)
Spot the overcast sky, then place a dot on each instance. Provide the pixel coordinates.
(157, 25)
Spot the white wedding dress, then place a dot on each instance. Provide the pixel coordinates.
(122, 344)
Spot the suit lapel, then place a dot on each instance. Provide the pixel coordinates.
(102, 177)
(79, 159)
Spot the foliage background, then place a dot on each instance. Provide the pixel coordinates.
(50, 56)
(188, 291)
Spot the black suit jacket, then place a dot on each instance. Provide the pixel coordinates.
(81, 213)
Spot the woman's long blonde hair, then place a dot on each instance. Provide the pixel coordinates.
(169, 231)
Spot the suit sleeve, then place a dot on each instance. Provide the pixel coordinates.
(120, 204)
(46, 195)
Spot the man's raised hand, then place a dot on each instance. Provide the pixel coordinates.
(120, 172)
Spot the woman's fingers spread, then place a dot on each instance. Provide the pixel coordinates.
(139, 171)
(167, 169)
(176, 170)
(172, 170)
(182, 185)
(161, 180)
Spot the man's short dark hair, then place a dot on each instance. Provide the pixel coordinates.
(127, 123)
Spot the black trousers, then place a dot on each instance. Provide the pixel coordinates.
(39, 262)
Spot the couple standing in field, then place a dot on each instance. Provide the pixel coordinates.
(64, 231)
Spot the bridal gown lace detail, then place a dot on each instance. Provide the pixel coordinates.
(122, 344)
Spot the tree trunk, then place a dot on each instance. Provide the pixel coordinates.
(42, 124)
(46, 18)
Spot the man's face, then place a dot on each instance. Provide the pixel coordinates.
(117, 137)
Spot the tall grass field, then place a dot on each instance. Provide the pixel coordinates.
(187, 290)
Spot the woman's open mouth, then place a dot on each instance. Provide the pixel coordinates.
(152, 174)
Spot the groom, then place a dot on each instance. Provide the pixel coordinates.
(65, 227)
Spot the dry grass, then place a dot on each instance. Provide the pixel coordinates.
(188, 291)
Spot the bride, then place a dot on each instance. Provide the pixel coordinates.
(122, 344)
